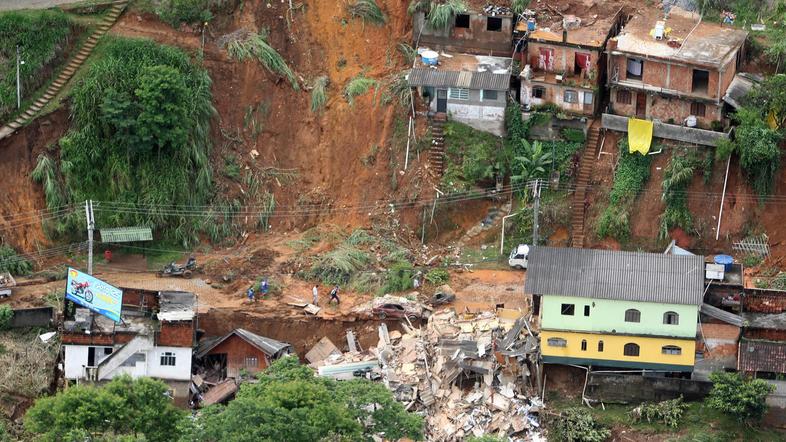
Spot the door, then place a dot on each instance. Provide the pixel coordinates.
(641, 105)
(442, 100)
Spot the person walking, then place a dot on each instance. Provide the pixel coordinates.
(315, 294)
(250, 294)
(334, 295)
(264, 287)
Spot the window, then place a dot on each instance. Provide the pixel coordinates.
(168, 358)
(631, 349)
(671, 318)
(583, 345)
(588, 97)
(557, 342)
(458, 94)
(600, 346)
(489, 95)
(462, 20)
(252, 361)
(701, 81)
(698, 109)
(635, 68)
(671, 350)
(493, 24)
(571, 97)
(538, 92)
(586, 310)
(632, 315)
(567, 309)
(623, 97)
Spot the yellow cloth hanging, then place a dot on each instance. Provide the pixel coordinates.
(639, 135)
(772, 121)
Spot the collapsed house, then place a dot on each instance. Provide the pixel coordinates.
(485, 30)
(154, 337)
(225, 356)
(469, 375)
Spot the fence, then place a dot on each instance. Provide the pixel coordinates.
(753, 245)
(668, 131)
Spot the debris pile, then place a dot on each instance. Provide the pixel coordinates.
(469, 375)
(494, 10)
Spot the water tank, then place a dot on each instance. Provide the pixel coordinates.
(430, 58)
(531, 24)
(725, 260)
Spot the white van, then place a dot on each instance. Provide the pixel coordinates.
(518, 257)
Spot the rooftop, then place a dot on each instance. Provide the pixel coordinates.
(740, 87)
(762, 356)
(589, 23)
(686, 38)
(463, 70)
(268, 346)
(774, 321)
(608, 274)
(176, 306)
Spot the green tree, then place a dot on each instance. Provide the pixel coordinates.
(162, 95)
(739, 397)
(578, 425)
(757, 146)
(12, 263)
(769, 98)
(6, 315)
(125, 406)
(290, 403)
(532, 163)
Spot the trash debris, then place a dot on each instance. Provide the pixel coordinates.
(322, 350)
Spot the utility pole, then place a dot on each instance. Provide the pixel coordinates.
(18, 80)
(536, 209)
(90, 226)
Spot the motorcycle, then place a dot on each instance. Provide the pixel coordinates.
(175, 269)
(81, 289)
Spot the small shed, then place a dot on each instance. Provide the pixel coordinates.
(224, 357)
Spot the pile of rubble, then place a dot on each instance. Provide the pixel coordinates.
(467, 374)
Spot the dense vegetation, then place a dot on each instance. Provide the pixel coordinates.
(745, 399)
(632, 173)
(139, 137)
(471, 156)
(290, 403)
(12, 263)
(578, 425)
(176, 12)
(43, 37)
(676, 178)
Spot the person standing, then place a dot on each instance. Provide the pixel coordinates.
(315, 294)
(250, 294)
(264, 287)
(334, 295)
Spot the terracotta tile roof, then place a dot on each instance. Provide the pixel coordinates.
(762, 356)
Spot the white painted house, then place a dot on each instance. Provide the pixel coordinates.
(470, 89)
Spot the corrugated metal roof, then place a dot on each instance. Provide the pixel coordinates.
(762, 356)
(463, 79)
(176, 306)
(267, 345)
(126, 234)
(720, 314)
(608, 274)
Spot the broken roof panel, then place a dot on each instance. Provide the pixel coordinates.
(176, 306)
(721, 315)
(762, 356)
(269, 346)
(609, 274)
(740, 86)
(220, 392)
(688, 39)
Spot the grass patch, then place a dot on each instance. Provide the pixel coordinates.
(358, 86)
(471, 156)
(319, 93)
(441, 14)
(367, 10)
(255, 46)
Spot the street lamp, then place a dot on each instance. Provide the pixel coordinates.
(19, 62)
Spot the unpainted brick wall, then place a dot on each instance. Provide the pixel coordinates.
(764, 303)
(634, 389)
(176, 334)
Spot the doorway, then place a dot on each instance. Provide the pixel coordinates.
(442, 100)
(641, 105)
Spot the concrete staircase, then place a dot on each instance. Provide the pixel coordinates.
(588, 159)
(436, 155)
(116, 359)
(69, 71)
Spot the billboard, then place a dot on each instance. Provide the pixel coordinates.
(94, 294)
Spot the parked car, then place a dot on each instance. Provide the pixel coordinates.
(519, 256)
(394, 311)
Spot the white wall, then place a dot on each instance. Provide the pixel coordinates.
(76, 359)
(182, 369)
(486, 118)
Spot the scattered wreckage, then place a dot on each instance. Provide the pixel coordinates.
(393, 307)
(468, 374)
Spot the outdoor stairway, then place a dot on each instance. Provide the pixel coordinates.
(65, 75)
(436, 155)
(582, 182)
(116, 359)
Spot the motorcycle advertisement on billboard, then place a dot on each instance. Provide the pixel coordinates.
(94, 294)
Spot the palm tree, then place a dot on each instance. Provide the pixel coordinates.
(532, 164)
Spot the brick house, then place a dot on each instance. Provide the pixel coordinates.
(672, 68)
(155, 338)
(225, 356)
(472, 32)
(567, 67)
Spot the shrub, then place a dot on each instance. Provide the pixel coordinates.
(757, 146)
(358, 86)
(398, 277)
(739, 397)
(175, 12)
(518, 6)
(399, 90)
(338, 265)
(614, 223)
(256, 46)
(573, 135)
(12, 263)
(441, 15)
(676, 178)
(367, 10)
(668, 412)
(43, 37)
(578, 425)
(437, 277)
(471, 156)
(319, 93)
(6, 314)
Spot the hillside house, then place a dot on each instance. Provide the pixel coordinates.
(670, 69)
(617, 309)
(475, 31)
(565, 63)
(155, 338)
(225, 356)
(470, 89)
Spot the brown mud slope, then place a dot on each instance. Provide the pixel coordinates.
(20, 198)
(326, 148)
